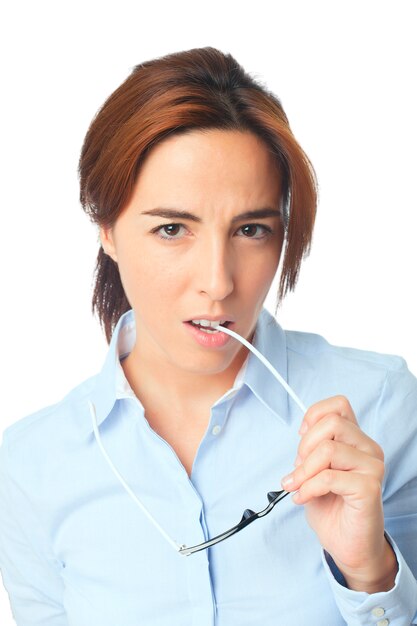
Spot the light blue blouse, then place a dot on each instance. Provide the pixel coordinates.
(76, 550)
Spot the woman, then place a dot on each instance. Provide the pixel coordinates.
(201, 193)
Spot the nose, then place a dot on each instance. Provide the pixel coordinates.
(214, 269)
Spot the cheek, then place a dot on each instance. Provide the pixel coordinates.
(148, 280)
(258, 274)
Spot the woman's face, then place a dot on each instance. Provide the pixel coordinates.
(214, 262)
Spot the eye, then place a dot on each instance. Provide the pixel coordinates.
(250, 230)
(170, 231)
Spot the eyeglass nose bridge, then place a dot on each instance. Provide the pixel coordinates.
(273, 498)
(248, 517)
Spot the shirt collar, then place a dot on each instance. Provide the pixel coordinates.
(269, 338)
(106, 388)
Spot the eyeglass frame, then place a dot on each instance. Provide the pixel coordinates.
(247, 518)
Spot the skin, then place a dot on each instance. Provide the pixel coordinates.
(216, 267)
(210, 267)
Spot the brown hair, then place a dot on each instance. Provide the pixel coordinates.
(200, 88)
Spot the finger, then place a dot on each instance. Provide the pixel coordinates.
(333, 455)
(337, 428)
(337, 404)
(356, 488)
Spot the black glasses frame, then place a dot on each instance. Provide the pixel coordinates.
(247, 518)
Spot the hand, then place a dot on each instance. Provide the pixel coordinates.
(338, 477)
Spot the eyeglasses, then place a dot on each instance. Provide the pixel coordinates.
(248, 516)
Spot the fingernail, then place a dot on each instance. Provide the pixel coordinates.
(287, 480)
(296, 497)
(303, 428)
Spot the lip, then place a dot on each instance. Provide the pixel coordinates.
(207, 340)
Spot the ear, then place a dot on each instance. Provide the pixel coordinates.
(107, 242)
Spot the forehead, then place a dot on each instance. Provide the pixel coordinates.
(205, 165)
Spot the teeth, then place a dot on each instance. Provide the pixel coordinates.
(208, 323)
(210, 331)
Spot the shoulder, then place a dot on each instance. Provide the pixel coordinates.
(365, 377)
(312, 345)
(41, 432)
(379, 386)
(42, 458)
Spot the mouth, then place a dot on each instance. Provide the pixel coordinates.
(209, 327)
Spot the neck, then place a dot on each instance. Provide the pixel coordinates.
(149, 378)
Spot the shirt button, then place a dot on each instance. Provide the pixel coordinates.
(382, 622)
(378, 611)
(216, 430)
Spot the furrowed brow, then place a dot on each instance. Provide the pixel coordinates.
(186, 215)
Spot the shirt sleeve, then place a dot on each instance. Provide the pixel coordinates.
(29, 569)
(396, 607)
(395, 429)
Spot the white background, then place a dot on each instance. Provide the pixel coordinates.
(345, 73)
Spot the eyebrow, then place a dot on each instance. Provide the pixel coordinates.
(186, 215)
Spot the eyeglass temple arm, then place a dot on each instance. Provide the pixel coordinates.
(267, 364)
(248, 517)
